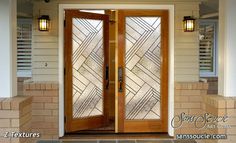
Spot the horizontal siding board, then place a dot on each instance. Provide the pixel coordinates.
(45, 58)
(186, 7)
(189, 59)
(49, 77)
(46, 64)
(181, 13)
(187, 39)
(187, 71)
(45, 71)
(180, 45)
(52, 31)
(45, 39)
(186, 52)
(186, 65)
(192, 35)
(50, 52)
(186, 78)
(49, 45)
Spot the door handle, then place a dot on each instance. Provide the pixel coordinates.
(120, 78)
(107, 76)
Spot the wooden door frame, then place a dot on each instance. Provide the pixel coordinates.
(63, 7)
(68, 74)
(159, 125)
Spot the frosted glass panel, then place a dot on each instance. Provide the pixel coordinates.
(142, 60)
(88, 59)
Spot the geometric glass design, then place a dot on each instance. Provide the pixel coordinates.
(142, 68)
(88, 61)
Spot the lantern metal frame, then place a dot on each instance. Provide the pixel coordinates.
(189, 24)
(43, 23)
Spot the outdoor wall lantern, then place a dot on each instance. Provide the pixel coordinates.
(188, 24)
(43, 23)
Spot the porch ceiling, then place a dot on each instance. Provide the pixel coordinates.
(25, 7)
(209, 7)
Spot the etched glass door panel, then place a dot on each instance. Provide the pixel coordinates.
(87, 67)
(85, 58)
(142, 68)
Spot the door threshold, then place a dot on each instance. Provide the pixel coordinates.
(99, 136)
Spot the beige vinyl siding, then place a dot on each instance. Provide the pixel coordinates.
(45, 44)
(186, 45)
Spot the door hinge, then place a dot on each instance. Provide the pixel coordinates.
(64, 119)
(64, 71)
(64, 23)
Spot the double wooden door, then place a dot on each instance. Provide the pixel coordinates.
(142, 82)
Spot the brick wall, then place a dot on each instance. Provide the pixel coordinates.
(44, 108)
(15, 116)
(20, 83)
(220, 106)
(188, 99)
(213, 85)
(192, 99)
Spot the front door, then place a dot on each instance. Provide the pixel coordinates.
(142, 70)
(86, 78)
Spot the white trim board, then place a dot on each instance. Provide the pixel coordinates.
(170, 8)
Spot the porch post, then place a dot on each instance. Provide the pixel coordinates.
(8, 18)
(227, 48)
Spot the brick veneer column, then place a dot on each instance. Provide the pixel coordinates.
(188, 99)
(15, 116)
(191, 98)
(220, 106)
(44, 108)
